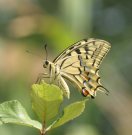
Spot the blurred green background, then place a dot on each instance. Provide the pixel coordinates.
(29, 24)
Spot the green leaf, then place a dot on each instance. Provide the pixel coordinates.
(13, 112)
(70, 112)
(46, 100)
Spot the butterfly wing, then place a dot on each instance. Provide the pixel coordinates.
(80, 64)
(90, 48)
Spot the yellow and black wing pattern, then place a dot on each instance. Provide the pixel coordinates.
(80, 64)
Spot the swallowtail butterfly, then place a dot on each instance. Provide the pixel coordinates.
(79, 64)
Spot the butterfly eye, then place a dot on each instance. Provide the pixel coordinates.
(46, 63)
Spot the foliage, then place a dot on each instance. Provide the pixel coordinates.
(14, 112)
(46, 103)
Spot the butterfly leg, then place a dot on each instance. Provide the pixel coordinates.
(41, 76)
(57, 76)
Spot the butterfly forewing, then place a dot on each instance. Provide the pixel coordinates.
(94, 48)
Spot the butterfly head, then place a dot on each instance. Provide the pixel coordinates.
(46, 64)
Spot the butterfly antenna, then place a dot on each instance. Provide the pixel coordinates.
(46, 51)
(27, 51)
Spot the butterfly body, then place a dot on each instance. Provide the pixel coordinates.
(80, 65)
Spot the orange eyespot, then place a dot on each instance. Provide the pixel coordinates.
(85, 93)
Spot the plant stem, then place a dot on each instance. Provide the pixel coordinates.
(43, 131)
